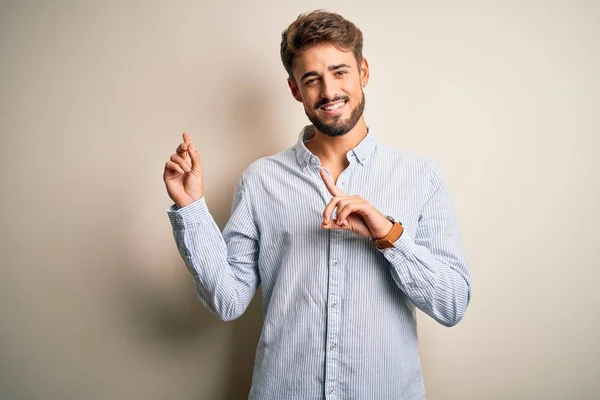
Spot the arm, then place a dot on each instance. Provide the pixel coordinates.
(430, 268)
(224, 266)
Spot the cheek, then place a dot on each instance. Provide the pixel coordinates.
(307, 106)
(309, 99)
(354, 91)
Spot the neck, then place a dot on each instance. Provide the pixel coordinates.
(332, 150)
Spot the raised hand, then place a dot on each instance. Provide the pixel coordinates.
(353, 213)
(183, 174)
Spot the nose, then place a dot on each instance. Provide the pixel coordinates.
(329, 88)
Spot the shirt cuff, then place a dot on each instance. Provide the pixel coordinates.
(397, 256)
(404, 248)
(189, 214)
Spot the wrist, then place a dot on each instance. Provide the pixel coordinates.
(189, 201)
(391, 237)
(388, 228)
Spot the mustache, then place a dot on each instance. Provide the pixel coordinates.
(325, 101)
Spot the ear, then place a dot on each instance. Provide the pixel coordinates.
(364, 72)
(294, 89)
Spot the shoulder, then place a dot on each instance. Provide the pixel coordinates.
(407, 161)
(268, 167)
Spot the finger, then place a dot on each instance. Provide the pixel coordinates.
(181, 162)
(334, 190)
(355, 225)
(333, 203)
(344, 209)
(195, 157)
(171, 166)
(352, 205)
(332, 224)
(182, 150)
(187, 141)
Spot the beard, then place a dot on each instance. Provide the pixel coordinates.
(339, 127)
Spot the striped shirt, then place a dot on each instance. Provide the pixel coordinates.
(338, 313)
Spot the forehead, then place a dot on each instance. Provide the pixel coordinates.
(319, 57)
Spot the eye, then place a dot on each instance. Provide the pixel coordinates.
(310, 81)
(340, 73)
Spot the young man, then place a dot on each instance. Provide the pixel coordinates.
(347, 236)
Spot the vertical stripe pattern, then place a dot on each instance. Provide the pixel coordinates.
(338, 314)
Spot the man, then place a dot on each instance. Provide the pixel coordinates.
(347, 236)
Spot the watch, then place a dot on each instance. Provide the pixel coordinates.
(388, 240)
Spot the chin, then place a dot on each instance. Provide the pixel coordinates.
(337, 125)
(335, 129)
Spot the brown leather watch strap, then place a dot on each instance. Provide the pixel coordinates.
(388, 240)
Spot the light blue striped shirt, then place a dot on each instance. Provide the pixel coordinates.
(338, 314)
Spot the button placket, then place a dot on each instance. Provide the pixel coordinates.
(335, 285)
(336, 274)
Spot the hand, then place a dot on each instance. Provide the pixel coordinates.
(353, 213)
(183, 174)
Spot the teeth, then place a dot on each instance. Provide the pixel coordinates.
(335, 106)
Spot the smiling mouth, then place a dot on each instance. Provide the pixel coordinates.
(335, 106)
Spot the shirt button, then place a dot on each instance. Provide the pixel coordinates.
(314, 160)
(332, 347)
(334, 305)
(335, 263)
(392, 255)
(330, 390)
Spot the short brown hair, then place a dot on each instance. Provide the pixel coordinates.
(318, 27)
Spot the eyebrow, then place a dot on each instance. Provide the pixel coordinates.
(330, 68)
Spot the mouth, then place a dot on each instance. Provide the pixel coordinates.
(334, 107)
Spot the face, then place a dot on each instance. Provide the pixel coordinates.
(329, 83)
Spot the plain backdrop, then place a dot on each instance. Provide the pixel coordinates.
(95, 302)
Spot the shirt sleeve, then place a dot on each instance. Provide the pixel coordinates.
(431, 268)
(224, 265)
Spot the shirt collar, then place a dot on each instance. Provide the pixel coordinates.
(305, 157)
